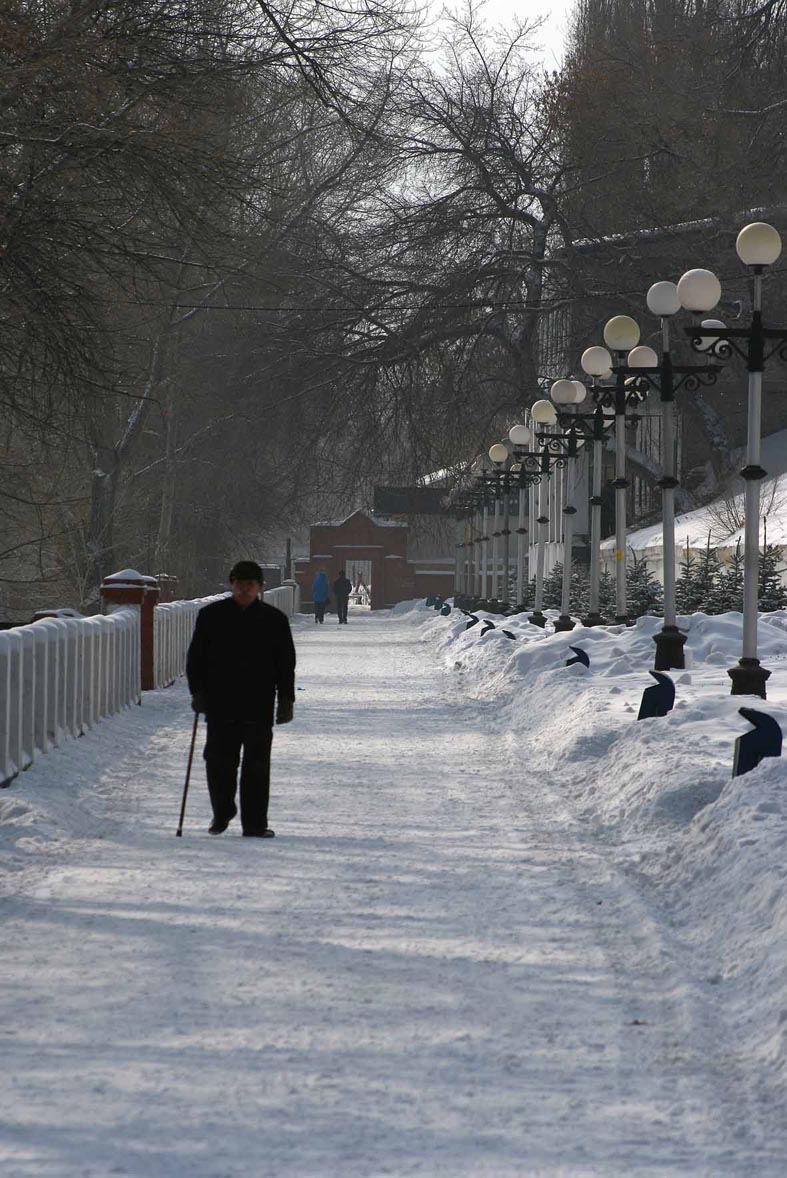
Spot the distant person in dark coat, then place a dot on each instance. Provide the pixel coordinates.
(241, 661)
(342, 588)
(320, 595)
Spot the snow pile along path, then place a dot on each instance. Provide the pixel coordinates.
(710, 850)
(434, 969)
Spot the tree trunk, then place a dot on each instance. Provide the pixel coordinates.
(100, 538)
(167, 492)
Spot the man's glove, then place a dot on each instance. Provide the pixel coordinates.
(284, 711)
(199, 702)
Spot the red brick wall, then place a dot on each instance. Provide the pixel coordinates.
(335, 547)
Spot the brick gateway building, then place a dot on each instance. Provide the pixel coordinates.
(379, 549)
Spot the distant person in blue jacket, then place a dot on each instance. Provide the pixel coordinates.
(320, 595)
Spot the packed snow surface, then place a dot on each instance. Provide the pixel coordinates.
(504, 929)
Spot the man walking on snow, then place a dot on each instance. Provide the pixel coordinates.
(342, 588)
(241, 659)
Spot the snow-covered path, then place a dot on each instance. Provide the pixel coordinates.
(432, 970)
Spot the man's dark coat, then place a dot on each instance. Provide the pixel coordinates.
(342, 587)
(239, 659)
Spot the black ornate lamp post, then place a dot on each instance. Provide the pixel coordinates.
(535, 467)
(621, 334)
(563, 393)
(758, 246)
(520, 436)
(667, 379)
(567, 446)
(593, 428)
(498, 456)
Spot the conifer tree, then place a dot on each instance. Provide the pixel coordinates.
(728, 591)
(580, 589)
(553, 586)
(772, 593)
(644, 594)
(607, 595)
(686, 591)
(708, 569)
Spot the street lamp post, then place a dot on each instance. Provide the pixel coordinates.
(499, 456)
(484, 569)
(535, 466)
(592, 427)
(475, 583)
(667, 378)
(566, 392)
(758, 246)
(621, 335)
(519, 436)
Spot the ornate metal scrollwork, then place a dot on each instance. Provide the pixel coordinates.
(636, 396)
(719, 349)
(604, 395)
(696, 380)
(530, 462)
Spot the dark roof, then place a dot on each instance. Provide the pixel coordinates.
(409, 500)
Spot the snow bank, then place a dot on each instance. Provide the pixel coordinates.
(718, 519)
(713, 849)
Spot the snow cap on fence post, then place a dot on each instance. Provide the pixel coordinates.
(128, 587)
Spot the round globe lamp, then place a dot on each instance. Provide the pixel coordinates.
(663, 299)
(544, 413)
(519, 435)
(563, 392)
(758, 244)
(642, 357)
(621, 333)
(699, 290)
(596, 362)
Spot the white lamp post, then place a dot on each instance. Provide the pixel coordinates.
(664, 300)
(758, 246)
(499, 455)
(543, 413)
(621, 334)
(565, 393)
(519, 436)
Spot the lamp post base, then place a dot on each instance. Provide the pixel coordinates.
(538, 619)
(563, 623)
(748, 678)
(669, 649)
(594, 620)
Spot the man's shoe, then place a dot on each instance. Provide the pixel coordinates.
(260, 834)
(219, 825)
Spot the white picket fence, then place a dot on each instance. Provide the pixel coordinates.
(173, 625)
(59, 677)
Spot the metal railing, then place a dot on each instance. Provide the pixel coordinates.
(59, 677)
(173, 625)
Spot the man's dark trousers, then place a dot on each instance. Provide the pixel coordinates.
(341, 608)
(226, 739)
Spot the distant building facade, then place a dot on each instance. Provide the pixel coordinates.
(382, 551)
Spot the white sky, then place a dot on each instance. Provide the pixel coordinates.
(551, 35)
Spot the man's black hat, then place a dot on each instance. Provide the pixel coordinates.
(246, 570)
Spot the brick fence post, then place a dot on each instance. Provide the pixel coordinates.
(129, 587)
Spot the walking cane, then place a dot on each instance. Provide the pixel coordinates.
(179, 831)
